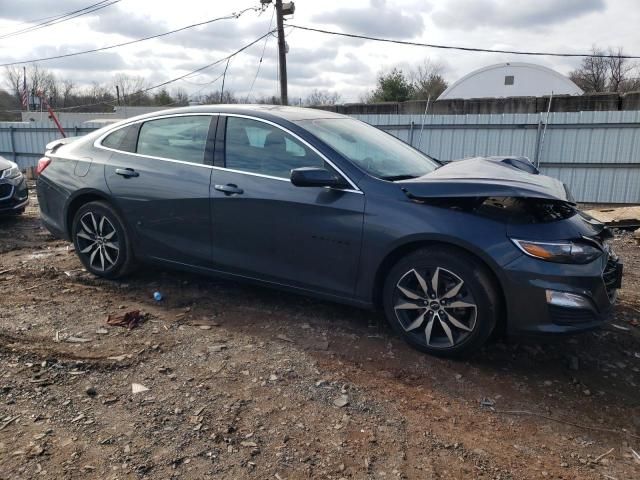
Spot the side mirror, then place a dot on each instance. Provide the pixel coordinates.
(315, 177)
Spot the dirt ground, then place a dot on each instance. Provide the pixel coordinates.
(247, 382)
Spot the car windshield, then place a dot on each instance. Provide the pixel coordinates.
(376, 152)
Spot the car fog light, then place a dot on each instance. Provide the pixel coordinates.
(568, 300)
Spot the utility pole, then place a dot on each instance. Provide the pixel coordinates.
(281, 11)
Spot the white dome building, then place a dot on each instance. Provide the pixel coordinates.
(511, 79)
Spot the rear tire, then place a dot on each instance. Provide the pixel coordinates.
(442, 301)
(101, 240)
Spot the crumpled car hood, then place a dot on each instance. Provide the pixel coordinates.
(486, 177)
(4, 164)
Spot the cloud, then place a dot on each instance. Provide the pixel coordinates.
(116, 20)
(470, 14)
(95, 62)
(379, 19)
(221, 36)
(38, 9)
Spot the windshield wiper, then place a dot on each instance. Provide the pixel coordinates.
(395, 178)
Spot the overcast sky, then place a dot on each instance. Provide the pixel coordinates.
(347, 66)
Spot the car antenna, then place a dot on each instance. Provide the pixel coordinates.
(424, 117)
(544, 130)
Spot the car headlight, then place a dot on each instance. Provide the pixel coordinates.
(12, 172)
(559, 252)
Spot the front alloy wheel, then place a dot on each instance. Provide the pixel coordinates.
(441, 309)
(441, 300)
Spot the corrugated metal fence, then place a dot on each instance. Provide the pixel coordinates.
(596, 153)
(24, 142)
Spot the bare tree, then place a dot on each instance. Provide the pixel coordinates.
(40, 81)
(322, 97)
(13, 80)
(217, 96)
(67, 89)
(611, 73)
(132, 89)
(180, 97)
(427, 80)
(266, 100)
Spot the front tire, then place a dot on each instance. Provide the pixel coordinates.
(101, 240)
(442, 301)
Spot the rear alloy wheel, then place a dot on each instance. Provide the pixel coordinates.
(441, 301)
(101, 241)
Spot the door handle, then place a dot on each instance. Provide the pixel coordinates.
(229, 189)
(127, 172)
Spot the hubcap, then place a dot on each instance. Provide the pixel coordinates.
(98, 241)
(441, 310)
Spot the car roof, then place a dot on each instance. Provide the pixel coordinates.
(270, 112)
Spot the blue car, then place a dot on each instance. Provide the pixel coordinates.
(325, 205)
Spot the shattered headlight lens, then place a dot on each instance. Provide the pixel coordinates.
(10, 173)
(559, 252)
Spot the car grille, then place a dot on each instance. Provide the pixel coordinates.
(570, 316)
(610, 276)
(6, 190)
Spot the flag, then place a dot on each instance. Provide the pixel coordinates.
(25, 94)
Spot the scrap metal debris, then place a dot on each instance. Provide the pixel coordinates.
(129, 320)
(621, 217)
(138, 388)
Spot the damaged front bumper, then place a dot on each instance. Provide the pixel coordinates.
(561, 298)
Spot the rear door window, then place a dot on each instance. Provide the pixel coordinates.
(258, 147)
(123, 139)
(175, 138)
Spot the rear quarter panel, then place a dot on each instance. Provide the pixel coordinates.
(75, 169)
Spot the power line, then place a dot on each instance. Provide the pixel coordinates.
(220, 60)
(264, 48)
(198, 84)
(224, 77)
(131, 42)
(50, 19)
(63, 18)
(56, 16)
(465, 49)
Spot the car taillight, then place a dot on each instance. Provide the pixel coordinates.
(42, 164)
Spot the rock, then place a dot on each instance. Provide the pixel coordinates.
(91, 391)
(587, 392)
(574, 363)
(458, 376)
(248, 444)
(138, 388)
(118, 358)
(216, 348)
(284, 338)
(320, 344)
(273, 378)
(73, 339)
(204, 327)
(102, 331)
(341, 401)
